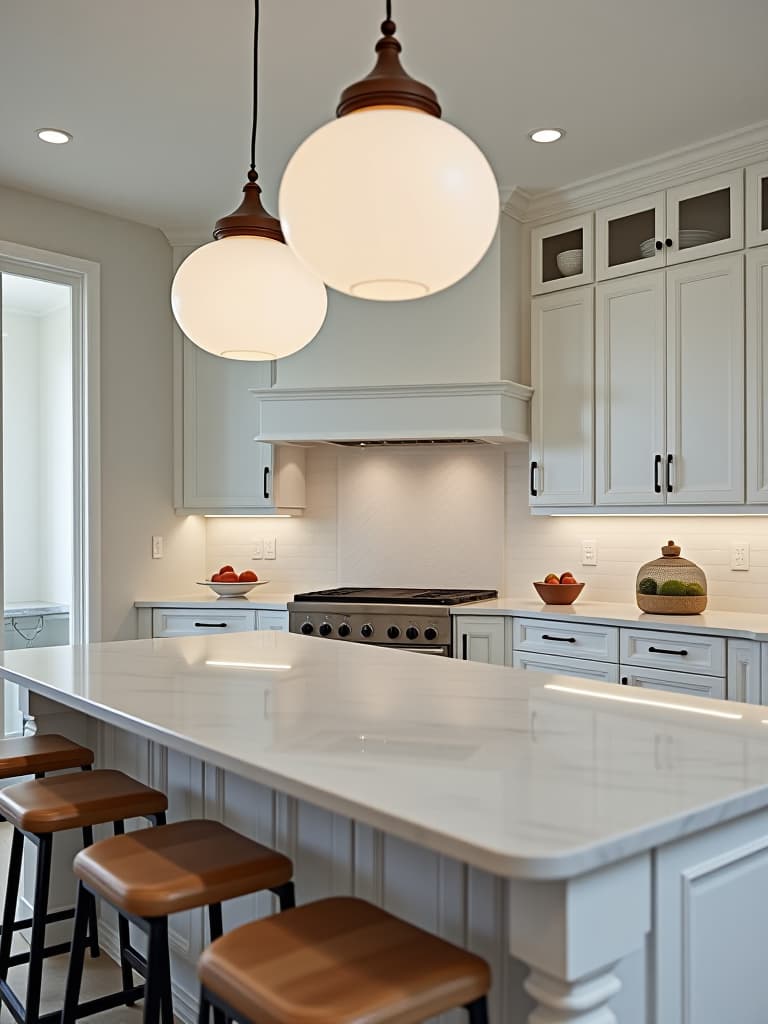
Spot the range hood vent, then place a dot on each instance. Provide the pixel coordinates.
(406, 442)
(495, 412)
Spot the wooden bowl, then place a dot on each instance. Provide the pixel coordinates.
(558, 593)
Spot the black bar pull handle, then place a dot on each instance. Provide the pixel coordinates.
(624, 681)
(210, 625)
(656, 468)
(464, 646)
(534, 467)
(266, 482)
(663, 650)
(560, 639)
(669, 473)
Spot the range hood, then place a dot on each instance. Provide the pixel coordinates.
(496, 412)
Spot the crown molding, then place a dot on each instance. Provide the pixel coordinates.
(723, 153)
(515, 203)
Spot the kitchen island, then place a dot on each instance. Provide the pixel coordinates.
(606, 851)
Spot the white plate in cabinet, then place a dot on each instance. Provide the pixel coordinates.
(714, 204)
(674, 682)
(169, 622)
(620, 231)
(275, 620)
(549, 241)
(679, 652)
(567, 639)
(580, 668)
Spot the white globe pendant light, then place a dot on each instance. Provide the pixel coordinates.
(246, 295)
(389, 202)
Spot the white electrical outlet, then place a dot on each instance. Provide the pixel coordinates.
(157, 547)
(589, 552)
(740, 556)
(258, 550)
(270, 547)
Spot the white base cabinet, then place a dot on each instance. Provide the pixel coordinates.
(189, 621)
(674, 682)
(580, 668)
(477, 638)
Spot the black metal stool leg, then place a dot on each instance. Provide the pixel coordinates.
(37, 943)
(124, 933)
(204, 1012)
(286, 894)
(77, 956)
(216, 924)
(158, 978)
(11, 896)
(93, 928)
(478, 1011)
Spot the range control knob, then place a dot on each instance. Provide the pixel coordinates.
(345, 629)
(412, 633)
(366, 631)
(307, 628)
(430, 633)
(393, 632)
(326, 629)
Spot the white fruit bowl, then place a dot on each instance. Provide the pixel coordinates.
(231, 589)
(570, 262)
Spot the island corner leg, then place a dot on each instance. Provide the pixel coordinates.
(573, 933)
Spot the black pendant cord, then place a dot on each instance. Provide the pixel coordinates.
(389, 10)
(255, 109)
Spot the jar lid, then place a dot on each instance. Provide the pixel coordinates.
(670, 553)
(671, 550)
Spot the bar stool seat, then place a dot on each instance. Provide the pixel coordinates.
(339, 961)
(62, 802)
(32, 755)
(188, 864)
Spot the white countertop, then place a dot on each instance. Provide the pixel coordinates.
(492, 766)
(749, 625)
(20, 609)
(266, 601)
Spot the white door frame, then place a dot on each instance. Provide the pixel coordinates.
(83, 276)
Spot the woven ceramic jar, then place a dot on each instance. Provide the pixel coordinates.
(671, 585)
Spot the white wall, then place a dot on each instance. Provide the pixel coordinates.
(21, 444)
(136, 396)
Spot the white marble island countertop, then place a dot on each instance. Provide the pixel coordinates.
(749, 625)
(521, 774)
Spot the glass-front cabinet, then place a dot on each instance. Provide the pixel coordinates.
(705, 218)
(630, 237)
(757, 204)
(562, 255)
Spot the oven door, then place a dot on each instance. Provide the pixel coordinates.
(441, 650)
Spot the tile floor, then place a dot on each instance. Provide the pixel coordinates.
(101, 976)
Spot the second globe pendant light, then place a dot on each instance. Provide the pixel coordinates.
(246, 295)
(389, 202)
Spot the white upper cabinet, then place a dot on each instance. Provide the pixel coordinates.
(757, 204)
(757, 375)
(705, 382)
(705, 218)
(223, 468)
(562, 255)
(562, 434)
(629, 237)
(630, 362)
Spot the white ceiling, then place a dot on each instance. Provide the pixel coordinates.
(29, 295)
(157, 93)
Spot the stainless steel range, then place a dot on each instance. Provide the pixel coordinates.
(409, 620)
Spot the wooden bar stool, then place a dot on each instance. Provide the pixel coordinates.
(37, 755)
(338, 961)
(149, 874)
(38, 810)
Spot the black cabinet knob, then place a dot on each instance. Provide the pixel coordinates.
(668, 243)
(430, 633)
(412, 633)
(659, 246)
(344, 629)
(393, 632)
(326, 629)
(366, 631)
(307, 628)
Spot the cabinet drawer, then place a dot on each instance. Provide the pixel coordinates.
(578, 667)
(183, 622)
(680, 652)
(272, 620)
(567, 639)
(674, 682)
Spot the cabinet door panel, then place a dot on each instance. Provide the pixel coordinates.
(705, 218)
(562, 432)
(548, 242)
(705, 381)
(623, 233)
(579, 668)
(674, 682)
(480, 639)
(223, 466)
(757, 375)
(630, 389)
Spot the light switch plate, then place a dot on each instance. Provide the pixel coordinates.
(258, 550)
(270, 547)
(740, 556)
(589, 552)
(157, 547)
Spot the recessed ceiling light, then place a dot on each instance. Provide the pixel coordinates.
(54, 135)
(546, 135)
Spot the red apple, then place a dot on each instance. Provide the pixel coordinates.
(227, 577)
(248, 577)
(226, 568)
